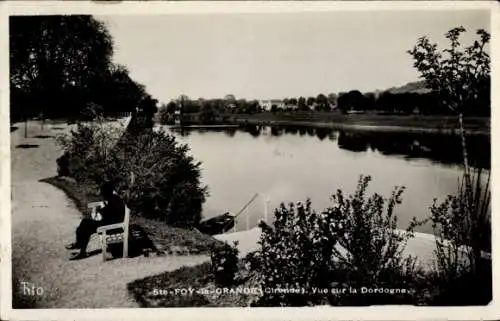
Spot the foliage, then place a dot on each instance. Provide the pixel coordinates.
(354, 99)
(224, 264)
(332, 98)
(187, 277)
(89, 146)
(353, 243)
(207, 114)
(322, 103)
(166, 112)
(463, 234)
(92, 111)
(54, 57)
(461, 76)
(301, 104)
(367, 230)
(115, 90)
(156, 173)
(62, 64)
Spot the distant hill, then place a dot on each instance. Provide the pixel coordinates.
(411, 87)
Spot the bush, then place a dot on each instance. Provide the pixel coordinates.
(462, 224)
(92, 111)
(351, 244)
(88, 150)
(224, 264)
(154, 173)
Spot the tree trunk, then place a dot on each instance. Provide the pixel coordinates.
(464, 155)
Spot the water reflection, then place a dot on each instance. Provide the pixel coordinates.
(253, 130)
(287, 167)
(442, 148)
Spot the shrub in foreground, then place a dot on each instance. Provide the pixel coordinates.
(155, 173)
(352, 244)
(462, 224)
(224, 264)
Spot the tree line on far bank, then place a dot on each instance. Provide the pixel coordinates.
(421, 101)
(61, 67)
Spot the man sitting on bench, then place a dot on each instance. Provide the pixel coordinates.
(113, 212)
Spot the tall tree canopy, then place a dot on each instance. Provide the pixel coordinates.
(61, 64)
(460, 75)
(353, 99)
(322, 103)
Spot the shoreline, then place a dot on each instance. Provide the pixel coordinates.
(444, 125)
(363, 127)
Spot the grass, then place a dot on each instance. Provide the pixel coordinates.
(402, 123)
(165, 237)
(425, 289)
(197, 278)
(160, 290)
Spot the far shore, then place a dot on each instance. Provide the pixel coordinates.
(432, 124)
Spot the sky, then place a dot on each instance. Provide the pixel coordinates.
(278, 55)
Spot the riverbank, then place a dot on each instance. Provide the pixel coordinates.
(423, 286)
(432, 124)
(44, 219)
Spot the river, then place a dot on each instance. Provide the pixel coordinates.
(290, 164)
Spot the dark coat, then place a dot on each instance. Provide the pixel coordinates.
(114, 211)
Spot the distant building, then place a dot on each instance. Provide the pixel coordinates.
(268, 104)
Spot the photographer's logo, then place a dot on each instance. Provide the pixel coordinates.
(30, 289)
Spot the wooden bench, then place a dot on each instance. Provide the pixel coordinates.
(108, 233)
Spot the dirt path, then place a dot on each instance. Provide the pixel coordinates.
(44, 219)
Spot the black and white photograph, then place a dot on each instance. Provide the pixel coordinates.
(329, 158)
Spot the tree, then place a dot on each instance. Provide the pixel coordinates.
(332, 98)
(218, 104)
(60, 65)
(302, 104)
(322, 103)
(116, 91)
(310, 101)
(369, 101)
(166, 112)
(207, 114)
(187, 105)
(353, 100)
(54, 60)
(252, 107)
(171, 107)
(461, 78)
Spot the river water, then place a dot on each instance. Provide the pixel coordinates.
(290, 164)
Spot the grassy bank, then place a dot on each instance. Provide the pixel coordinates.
(165, 237)
(198, 278)
(370, 121)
